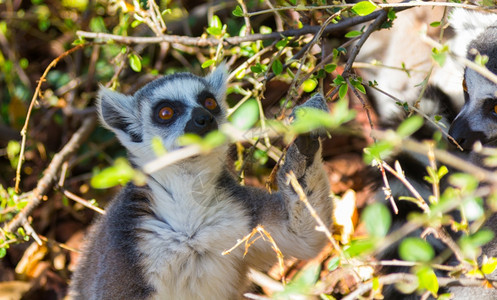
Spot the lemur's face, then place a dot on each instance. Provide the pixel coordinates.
(477, 120)
(167, 108)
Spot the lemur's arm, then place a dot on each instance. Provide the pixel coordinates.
(283, 215)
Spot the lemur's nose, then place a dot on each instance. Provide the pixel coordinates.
(201, 122)
(203, 119)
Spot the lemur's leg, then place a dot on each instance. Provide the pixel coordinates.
(282, 214)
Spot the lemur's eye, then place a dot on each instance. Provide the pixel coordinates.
(464, 86)
(495, 109)
(210, 103)
(166, 113)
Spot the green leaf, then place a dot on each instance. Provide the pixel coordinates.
(281, 44)
(470, 244)
(363, 8)
(207, 63)
(214, 31)
(135, 62)
(342, 92)
(238, 11)
(309, 85)
(410, 126)
(189, 139)
(416, 249)
(465, 182)
(330, 68)
(246, 115)
(489, 266)
(428, 279)
(215, 22)
(352, 34)
(303, 282)
(377, 219)
(359, 247)
(333, 263)
(3, 252)
(158, 146)
(377, 151)
(277, 67)
(213, 139)
(120, 173)
(309, 119)
(435, 24)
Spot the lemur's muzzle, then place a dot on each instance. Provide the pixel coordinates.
(201, 123)
(464, 135)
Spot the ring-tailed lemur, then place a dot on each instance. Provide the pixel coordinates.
(164, 240)
(474, 122)
(477, 121)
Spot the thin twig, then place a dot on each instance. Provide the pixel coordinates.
(31, 105)
(421, 203)
(50, 174)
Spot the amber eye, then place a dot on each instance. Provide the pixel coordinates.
(210, 103)
(166, 113)
(464, 87)
(495, 109)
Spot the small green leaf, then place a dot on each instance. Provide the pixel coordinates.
(359, 247)
(330, 68)
(309, 85)
(352, 34)
(3, 252)
(281, 44)
(465, 182)
(342, 92)
(214, 31)
(435, 24)
(416, 249)
(237, 12)
(363, 8)
(377, 219)
(207, 63)
(333, 263)
(428, 279)
(246, 115)
(410, 126)
(216, 22)
(377, 151)
(158, 146)
(189, 139)
(135, 62)
(214, 139)
(120, 173)
(277, 67)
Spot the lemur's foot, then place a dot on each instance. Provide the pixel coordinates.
(308, 143)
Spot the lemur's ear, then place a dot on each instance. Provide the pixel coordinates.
(217, 80)
(118, 113)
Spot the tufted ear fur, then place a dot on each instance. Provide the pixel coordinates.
(120, 114)
(217, 80)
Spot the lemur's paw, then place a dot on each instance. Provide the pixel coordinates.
(308, 143)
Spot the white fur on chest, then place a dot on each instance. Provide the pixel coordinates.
(182, 247)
